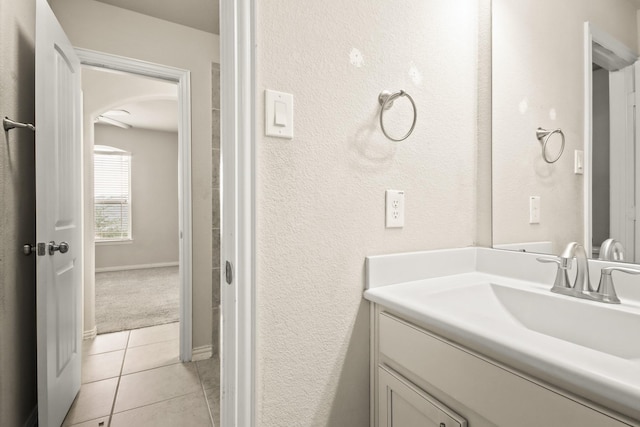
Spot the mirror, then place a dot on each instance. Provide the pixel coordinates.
(565, 65)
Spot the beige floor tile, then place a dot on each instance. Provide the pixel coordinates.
(100, 422)
(155, 385)
(94, 401)
(213, 400)
(101, 366)
(154, 334)
(151, 356)
(190, 410)
(209, 371)
(105, 343)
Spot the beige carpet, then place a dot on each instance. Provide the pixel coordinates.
(135, 299)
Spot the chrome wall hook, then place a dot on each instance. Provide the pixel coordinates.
(9, 124)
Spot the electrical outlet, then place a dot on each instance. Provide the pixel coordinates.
(394, 208)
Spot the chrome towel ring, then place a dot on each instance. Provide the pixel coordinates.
(386, 99)
(543, 136)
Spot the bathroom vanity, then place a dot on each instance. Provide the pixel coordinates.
(474, 337)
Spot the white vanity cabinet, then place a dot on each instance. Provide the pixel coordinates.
(421, 379)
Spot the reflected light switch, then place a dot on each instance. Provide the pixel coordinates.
(278, 109)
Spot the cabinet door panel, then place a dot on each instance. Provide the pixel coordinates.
(402, 404)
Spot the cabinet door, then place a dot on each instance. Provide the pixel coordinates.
(402, 404)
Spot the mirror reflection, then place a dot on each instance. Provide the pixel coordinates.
(566, 66)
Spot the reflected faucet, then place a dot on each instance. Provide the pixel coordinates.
(611, 250)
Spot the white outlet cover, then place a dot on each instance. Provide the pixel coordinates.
(394, 212)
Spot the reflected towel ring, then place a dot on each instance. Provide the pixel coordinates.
(543, 136)
(386, 99)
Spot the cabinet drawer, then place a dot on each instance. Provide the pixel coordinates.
(496, 394)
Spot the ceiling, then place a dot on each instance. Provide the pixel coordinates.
(152, 103)
(154, 114)
(199, 14)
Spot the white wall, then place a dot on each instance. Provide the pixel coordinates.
(539, 82)
(17, 215)
(154, 196)
(101, 27)
(320, 196)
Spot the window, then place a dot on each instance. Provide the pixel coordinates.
(112, 194)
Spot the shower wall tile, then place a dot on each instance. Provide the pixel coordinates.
(216, 290)
(216, 205)
(215, 78)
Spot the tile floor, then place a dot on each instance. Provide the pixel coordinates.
(134, 378)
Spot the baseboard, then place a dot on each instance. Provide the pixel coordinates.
(202, 353)
(136, 267)
(32, 421)
(90, 334)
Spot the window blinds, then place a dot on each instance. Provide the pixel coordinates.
(112, 195)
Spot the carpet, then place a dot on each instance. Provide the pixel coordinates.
(135, 299)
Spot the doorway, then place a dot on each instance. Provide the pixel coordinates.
(610, 128)
(133, 123)
(155, 74)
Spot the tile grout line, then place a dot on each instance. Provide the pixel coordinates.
(115, 395)
(204, 394)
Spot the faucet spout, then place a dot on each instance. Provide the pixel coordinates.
(575, 250)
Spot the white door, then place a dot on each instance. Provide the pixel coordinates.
(622, 160)
(58, 218)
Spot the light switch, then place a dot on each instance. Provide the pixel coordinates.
(578, 162)
(278, 111)
(534, 210)
(280, 114)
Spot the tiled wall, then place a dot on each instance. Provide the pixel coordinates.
(215, 158)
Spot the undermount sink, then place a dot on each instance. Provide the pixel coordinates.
(600, 327)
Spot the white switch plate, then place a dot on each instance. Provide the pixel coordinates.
(578, 162)
(279, 125)
(394, 208)
(534, 210)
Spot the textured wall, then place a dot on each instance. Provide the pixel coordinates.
(538, 81)
(17, 215)
(320, 196)
(98, 26)
(154, 197)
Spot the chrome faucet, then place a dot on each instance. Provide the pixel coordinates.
(582, 284)
(581, 287)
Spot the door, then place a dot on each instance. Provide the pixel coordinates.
(58, 209)
(622, 160)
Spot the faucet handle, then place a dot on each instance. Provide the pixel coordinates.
(606, 292)
(562, 262)
(562, 278)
